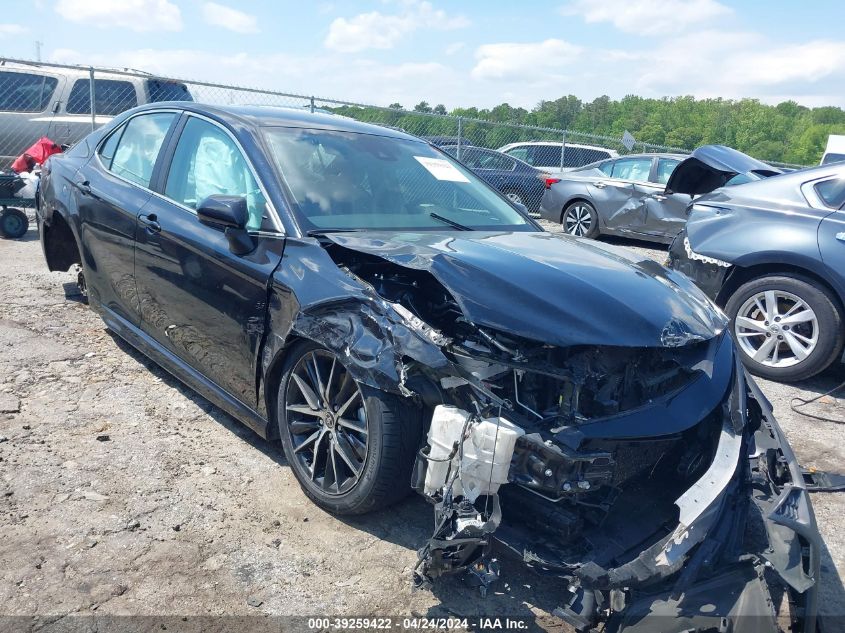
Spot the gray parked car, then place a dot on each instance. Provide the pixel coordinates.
(38, 101)
(632, 196)
(772, 254)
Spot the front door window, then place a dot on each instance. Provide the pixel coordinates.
(208, 162)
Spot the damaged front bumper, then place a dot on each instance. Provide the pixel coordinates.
(637, 463)
(758, 568)
(742, 553)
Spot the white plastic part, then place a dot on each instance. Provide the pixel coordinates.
(447, 423)
(484, 460)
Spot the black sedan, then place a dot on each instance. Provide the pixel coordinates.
(516, 180)
(397, 324)
(772, 252)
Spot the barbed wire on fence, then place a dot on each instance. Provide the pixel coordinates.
(66, 101)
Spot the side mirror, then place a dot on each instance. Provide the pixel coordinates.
(223, 211)
(521, 207)
(229, 213)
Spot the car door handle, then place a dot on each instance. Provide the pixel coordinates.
(151, 222)
(840, 237)
(600, 185)
(659, 197)
(84, 187)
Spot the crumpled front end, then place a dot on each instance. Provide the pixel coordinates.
(649, 477)
(686, 508)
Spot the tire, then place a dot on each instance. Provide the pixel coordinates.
(580, 219)
(392, 437)
(807, 321)
(515, 196)
(13, 223)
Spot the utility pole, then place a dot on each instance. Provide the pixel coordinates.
(38, 45)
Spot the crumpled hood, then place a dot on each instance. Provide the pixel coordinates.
(711, 166)
(552, 288)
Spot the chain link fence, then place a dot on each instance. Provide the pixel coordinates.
(65, 103)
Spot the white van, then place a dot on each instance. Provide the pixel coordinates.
(554, 157)
(40, 100)
(835, 151)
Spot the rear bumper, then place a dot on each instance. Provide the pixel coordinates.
(706, 273)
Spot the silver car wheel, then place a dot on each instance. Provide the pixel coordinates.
(578, 220)
(776, 328)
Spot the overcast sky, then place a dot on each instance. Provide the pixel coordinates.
(474, 52)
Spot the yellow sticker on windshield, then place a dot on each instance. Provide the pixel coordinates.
(442, 169)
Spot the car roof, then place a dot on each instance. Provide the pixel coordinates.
(557, 144)
(275, 116)
(474, 148)
(78, 72)
(596, 163)
(652, 155)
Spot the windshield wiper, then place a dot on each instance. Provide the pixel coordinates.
(452, 223)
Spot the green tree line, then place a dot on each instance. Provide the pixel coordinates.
(786, 132)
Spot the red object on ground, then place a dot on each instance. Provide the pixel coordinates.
(40, 151)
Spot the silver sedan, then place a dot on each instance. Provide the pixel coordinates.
(624, 196)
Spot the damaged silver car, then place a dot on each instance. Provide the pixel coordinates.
(637, 195)
(398, 324)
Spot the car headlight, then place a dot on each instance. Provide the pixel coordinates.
(703, 258)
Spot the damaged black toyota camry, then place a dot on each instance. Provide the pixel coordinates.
(398, 324)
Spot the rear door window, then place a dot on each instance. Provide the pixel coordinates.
(160, 90)
(521, 153)
(111, 97)
(494, 160)
(598, 154)
(580, 156)
(665, 167)
(25, 92)
(547, 155)
(106, 151)
(136, 152)
(636, 169)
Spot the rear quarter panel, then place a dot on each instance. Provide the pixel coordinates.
(744, 234)
(747, 235)
(55, 189)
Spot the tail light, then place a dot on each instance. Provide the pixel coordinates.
(550, 181)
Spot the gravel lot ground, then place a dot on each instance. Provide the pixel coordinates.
(123, 492)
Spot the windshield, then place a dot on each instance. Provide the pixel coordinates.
(345, 180)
